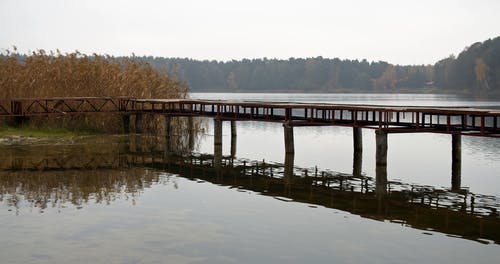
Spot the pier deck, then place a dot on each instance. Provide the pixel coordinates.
(391, 119)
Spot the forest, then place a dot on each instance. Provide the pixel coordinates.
(476, 70)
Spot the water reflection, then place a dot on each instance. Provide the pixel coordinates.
(56, 176)
(58, 189)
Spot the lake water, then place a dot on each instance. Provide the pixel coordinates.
(125, 199)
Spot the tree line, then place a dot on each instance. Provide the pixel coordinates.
(475, 70)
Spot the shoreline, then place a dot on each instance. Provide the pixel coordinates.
(450, 93)
(40, 135)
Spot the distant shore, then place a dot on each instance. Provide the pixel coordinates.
(346, 91)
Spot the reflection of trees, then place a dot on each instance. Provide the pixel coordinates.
(92, 169)
(185, 137)
(57, 188)
(54, 176)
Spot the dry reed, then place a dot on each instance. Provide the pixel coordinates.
(53, 74)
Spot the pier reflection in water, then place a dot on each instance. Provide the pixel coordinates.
(52, 176)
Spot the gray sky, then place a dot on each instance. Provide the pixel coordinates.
(397, 31)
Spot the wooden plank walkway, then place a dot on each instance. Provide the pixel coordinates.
(391, 119)
(451, 120)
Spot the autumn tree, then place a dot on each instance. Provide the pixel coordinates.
(481, 70)
(388, 79)
(232, 84)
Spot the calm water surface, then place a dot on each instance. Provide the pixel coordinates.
(125, 199)
(412, 158)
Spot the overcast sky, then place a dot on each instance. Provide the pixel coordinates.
(397, 31)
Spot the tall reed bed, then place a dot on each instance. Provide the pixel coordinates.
(54, 74)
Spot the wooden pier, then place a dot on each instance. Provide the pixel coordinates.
(390, 119)
(456, 121)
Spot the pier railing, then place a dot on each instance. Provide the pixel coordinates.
(392, 119)
(30, 107)
(452, 120)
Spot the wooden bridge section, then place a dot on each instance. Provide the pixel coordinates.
(31, 107)
(391, 119)
(452, 120)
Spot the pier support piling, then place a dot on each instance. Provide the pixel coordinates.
(289, 145)
(217, 143)
(289, 160)
(138, 144)
(381, 148)
(191, 133)
(233, 139)
(168, 126)
(20, 121)
(357, 139)
(289, 172)
(18, 109)
(357, 163)
(381, 162)
(358, 152)
(138, 124)
(126, 124)
(168, 135)
(456, 162)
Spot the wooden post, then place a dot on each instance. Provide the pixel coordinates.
(18, 110)
(233, 139)
(126, 124)
(288, 173)
(168, 146)
(381, 147)
(168, 126)
(191, 133)
(139, 145)
(417, 120)
(381, 162)
(456, 162)
(289, 146)
(289, 156)
(217, 143)
(138, 124)
(288, 114)
(168, 134)
(357, 163)
(357, 139)
(358, 152)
